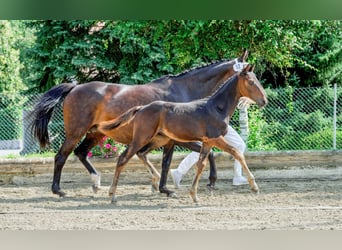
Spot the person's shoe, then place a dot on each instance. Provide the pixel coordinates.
(176, 177)
(239, 180)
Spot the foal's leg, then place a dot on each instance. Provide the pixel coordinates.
(131, 150)
(196, 146)
(168, 147)
(91, 140)
(140, 139)
(119, 166)
(221, 143)
(153, 171)
(200, 166)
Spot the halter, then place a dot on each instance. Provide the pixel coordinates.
(239, 66)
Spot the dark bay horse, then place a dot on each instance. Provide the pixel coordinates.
(202, 120)
(88, 104)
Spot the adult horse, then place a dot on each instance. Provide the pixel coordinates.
(202, 120)
(88, 104)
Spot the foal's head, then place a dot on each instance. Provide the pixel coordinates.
(250, 86)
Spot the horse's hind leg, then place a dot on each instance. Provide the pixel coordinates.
(153, 171)
(200, 166)
(213, 171)
(60, 160)
(122, 161)
(91, 140)
(167, 157)
(138, 142)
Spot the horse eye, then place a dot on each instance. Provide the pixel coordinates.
(251, 82)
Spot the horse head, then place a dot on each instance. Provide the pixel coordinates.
(249, 86)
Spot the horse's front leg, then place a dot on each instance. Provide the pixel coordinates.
(200, 166)
(221, 143)
(213, 171)
(167, 157)
(196, 146)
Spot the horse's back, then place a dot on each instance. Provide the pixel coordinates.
(91, 103)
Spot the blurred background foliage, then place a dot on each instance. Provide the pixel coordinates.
(36, 55)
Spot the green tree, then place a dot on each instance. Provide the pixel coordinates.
(12, 41)
(322, 50)
(10, 65)
(286, 52)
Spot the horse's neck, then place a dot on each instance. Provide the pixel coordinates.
(200, 83)
(225, 100)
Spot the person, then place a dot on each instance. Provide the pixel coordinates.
(234, 140)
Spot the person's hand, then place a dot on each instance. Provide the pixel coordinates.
(244, 102)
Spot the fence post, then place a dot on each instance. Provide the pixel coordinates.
(243, 120)
(334, 116)
(29, 144)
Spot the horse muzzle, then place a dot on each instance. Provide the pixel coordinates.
(261, 102)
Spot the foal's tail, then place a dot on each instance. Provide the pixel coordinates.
(122, 120)
(43, 111)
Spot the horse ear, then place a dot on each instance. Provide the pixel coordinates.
(252, 68)
(244, 56)
(246, 69)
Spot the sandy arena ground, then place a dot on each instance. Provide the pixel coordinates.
(294, 198)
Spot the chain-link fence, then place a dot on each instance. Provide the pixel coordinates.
(294, 119)
(297, 119)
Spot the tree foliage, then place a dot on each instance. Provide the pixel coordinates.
(10, 65)
(286, 52)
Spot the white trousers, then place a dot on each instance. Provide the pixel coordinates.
(232, 137)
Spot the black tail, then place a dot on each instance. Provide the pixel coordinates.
(43, 110)
(121, 120)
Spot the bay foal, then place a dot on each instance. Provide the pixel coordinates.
(202, 120)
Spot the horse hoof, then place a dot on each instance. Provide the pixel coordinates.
(172, 195)
(95, 188)
(194, 196)
(195, 199)
(211, 187)
(153, 189)
(113, 200)
(168, 192)
(255, 191)
(59, 193)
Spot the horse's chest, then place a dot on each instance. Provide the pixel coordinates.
(216, 128)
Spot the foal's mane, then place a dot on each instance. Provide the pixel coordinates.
(212, 63)
(221, 86)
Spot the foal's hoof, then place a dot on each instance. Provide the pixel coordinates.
(194, 196)
(113, 200)
(211, 187)
(256, 192)
(154, 189)
(95, 188)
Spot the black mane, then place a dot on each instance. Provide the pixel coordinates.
(164, 77)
